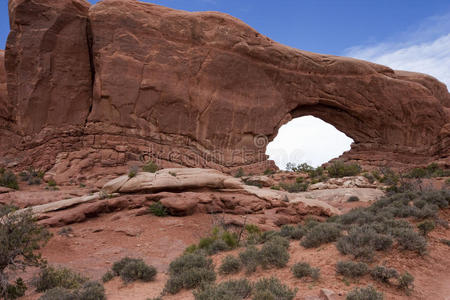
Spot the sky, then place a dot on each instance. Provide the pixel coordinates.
(410, 35)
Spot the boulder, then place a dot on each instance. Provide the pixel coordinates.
(179, 206)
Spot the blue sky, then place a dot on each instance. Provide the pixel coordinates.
(411, 35)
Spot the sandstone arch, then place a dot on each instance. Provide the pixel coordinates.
(195, 89)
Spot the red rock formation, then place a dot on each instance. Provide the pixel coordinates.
(199, 89)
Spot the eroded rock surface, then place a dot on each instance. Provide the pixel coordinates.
(197, 90)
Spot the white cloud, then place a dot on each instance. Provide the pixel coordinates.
(425, 49)
(307, 139)
(432, 57)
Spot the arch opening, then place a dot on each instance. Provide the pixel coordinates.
(307, 139)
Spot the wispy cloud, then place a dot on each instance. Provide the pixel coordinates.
(425, 49)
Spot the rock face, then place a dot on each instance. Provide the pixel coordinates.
(197, 90)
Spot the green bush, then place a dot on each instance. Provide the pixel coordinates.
(108, 276)
(406, 282)
(227, 290)
(426, 227)
(303, 269)
(294, 187)
(15, 290)
(189, 271)
(230, 265)
(351, 269)
(137, 269)
(250, 259)
(50, 277)
(253, 234)
(8, 179)
(20, 238)
(150, 167)
(272, 288)
(353, 199)
(408, 239)
(158, 209)
(340, 169)
(91, 290)
(230, 238)
(363, 241)
(31, 176)
(216, 246)
(292, 232)
(383, 274)
(321, 234)
(273, 254)
(132, 171)
(239, 173)
(58, 294)
(367, 293)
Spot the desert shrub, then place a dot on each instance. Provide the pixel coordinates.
(253, 234)
(340, 169)
(65, 231)
(353, 199)
(227, 290)
(158, 209)
(230, 265)
(426, 227)
(133, 269)
(272, 288)
(50, 277)
(20, 238)
(150, 167)
(250, 259)
(358, 216)
(31, 176)
(132, 171)
(292, 232)
(440, 198)
(294, 187)
(197, 276)
(383, 274)
(239, 173)
(269, 171)
(58, 294)
(321, 234)
(189, 271)
(273, 254)
(429, 171)
(268, 235)
(406, 282)
(362, 241)
(91, 290)
(108, 276)
(303, 269)
(217, 246)
(219, 240)
(8, 179)
(369, 176)
(388, 176)
(351, 269)
(14, 290)
(137, 269)
(408, 239)
(230, 238)
(367, 293)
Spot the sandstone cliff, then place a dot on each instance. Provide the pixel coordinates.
(123, 80)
